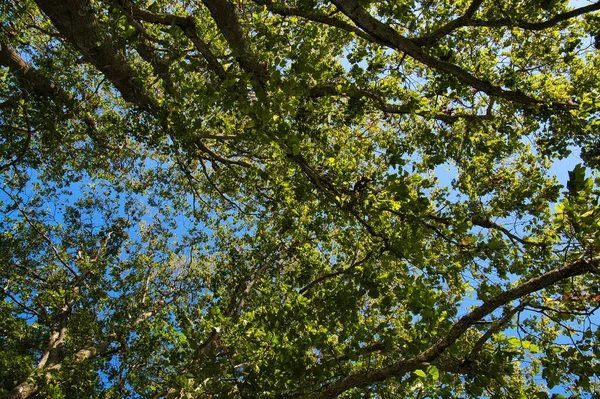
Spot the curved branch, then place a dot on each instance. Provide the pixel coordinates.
(21, 153)
(284, 11)
(467, 20)
(215, 157)
(185, 23)
(579, 267)
(398, 109)
(391, 38)
(33, 80)
(488, 224)
(450, 26)
(348, 269)
(506, 22)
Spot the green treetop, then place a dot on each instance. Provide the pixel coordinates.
(299, 199)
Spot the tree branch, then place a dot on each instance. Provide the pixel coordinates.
(535, 26)
(31, 78)
(393, 39)
(348, 269)
(383, 106)
(488, 224)
(224, 14)
(40, 84)
(186, 24)
(422, 360)
(494, 329)
(449, 27)
(284, 11)
(77, 22)
(21, 304)
(579, 267)
(28, 388)
(198, 143)
(19, 157)
(48, 241)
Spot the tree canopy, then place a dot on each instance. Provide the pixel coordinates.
(299, 198)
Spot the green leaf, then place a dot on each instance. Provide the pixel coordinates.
(420, 373)
(433, 372)
(576, 182)
(289, 198)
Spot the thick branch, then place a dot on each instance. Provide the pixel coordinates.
(22, 391)
(576, 268)
(506, 22)
(202, 47)
(77, 22)
(224, 14)
(366, 377)
(422, 360)
(393, 39)
(30, 77)
(186, 24)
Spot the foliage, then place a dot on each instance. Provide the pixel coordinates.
(299, 198)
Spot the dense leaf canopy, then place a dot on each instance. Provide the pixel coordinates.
(299, 198)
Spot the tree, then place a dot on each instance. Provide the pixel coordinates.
(248, 199)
